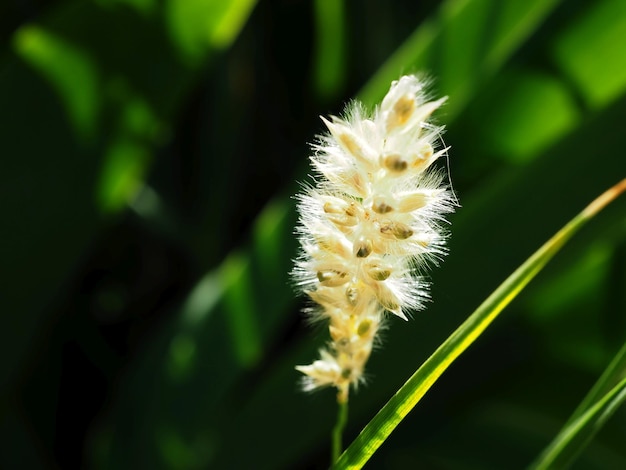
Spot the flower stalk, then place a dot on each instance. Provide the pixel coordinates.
(368, 228)
(342, 419)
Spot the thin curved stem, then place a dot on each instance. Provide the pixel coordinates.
(340, 425)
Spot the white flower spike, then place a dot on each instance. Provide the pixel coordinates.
(371, 224)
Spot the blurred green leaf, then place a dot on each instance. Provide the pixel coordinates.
(590, 52)
(143, 6)
(47, 182)
(573, 438)
(561, 303)
(87, 92)
(70, 70)
(128, 155)
(586, 275)
(197, 25)
(525, 114)
(222, 330)
(468, 42)
(330, 50)
(243, 315)
(122, 175)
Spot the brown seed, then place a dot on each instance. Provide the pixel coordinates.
(398, 230)
(381, 207)
(386, 228)
(332, 277)
(352, 295)
(363, 248)
(402, 231)
(395, 162)
(379, 274)
(343, 343)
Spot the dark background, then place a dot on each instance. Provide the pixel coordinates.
(148, 154)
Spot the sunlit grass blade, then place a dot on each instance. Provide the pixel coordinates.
(381, 426)
(575, 436)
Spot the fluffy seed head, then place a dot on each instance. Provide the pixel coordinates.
(372, 222)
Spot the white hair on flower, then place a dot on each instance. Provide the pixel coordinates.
(371, 224)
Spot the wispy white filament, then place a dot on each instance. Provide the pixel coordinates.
(370, 224)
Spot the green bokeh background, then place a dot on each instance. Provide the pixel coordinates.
(148, 154)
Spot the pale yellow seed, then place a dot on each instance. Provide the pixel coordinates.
(342, 220)
(351, 145)
(335, 333)
(364, 327)
(324, 299)
(351, 210)
(358, 183)
(332, 208)
(411, 202)
(333, 245)
(386, 297)
(401, 112)
(424, 156)
(427, 150)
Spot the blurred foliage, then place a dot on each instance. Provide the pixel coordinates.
(148, 153)
(575, 437)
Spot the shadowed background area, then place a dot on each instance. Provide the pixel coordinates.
(149, 150)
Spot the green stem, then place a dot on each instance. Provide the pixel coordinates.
(342, 419)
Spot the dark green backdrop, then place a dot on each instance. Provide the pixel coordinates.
(148, 152)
